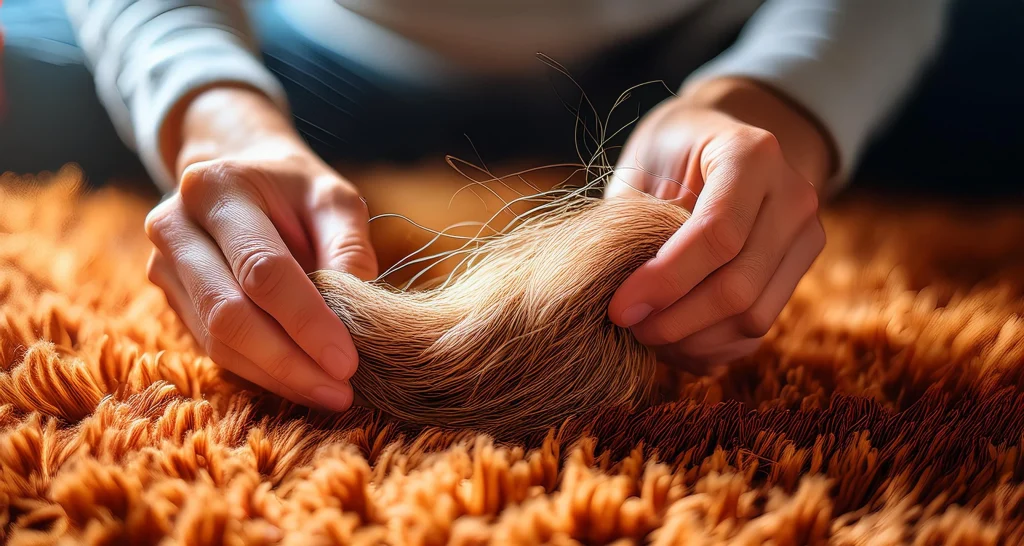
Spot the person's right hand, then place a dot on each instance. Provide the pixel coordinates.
(255, 210)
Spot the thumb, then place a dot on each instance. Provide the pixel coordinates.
(341, 232)
(625, 182)
(628, 179)
(647, 169)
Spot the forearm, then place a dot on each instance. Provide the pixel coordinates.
(845, 63)
(151, 57)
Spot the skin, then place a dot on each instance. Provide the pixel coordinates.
(750, 166)
(256, 209)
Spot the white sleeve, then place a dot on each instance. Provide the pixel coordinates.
(147, 54)
(848, 62)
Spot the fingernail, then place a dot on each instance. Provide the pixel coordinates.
(331, 398)
(635, 313)
(336, 362)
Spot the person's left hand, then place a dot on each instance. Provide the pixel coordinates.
(718, 284)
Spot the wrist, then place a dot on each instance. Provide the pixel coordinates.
(221, 120)
(806, 144)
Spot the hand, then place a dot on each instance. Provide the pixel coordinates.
(715, 288)
(254, 211)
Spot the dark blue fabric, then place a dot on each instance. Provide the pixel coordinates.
(344, 110)
(347, 111)
(52, 115)
(960, 130)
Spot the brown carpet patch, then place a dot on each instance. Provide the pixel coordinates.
(886, 407)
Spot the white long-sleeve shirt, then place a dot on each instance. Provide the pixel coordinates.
(848, 62)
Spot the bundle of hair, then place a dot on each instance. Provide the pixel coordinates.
(520, 339)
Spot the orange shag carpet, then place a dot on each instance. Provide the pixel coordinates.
(885, 407)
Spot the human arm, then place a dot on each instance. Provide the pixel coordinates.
(251, 207)
(749, 144)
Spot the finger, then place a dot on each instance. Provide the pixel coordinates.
(710, 340)
(734, 289)
(701, 357)
(804, 251)
(669, 188)
(632, 176)
(742, 335)
(161, 273)
(339, 223)
(231, 320)
(756, 320)
(675, 191)
(648, 167)
(632, 170)
(267, 272)
(708, 344)
(722, 219)
(625, 183)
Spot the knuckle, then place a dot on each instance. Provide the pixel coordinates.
(160, 220)
(193, 183)
(200, 180)
(722, 237)
(737, 147)
(329, 192)
(349, 248)
(667, 279)
(218, 211)
(301, 323)
(760, 140)
(281, 369)
(260, 273)
(225, 318)
(806, 200)
(345, 241)
(736, 291)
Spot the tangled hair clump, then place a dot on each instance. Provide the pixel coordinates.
(885, 407)
(520, 340)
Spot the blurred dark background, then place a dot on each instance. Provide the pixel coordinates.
(961, 131)
(958, 133)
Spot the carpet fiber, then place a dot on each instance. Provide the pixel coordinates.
(885, 407)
